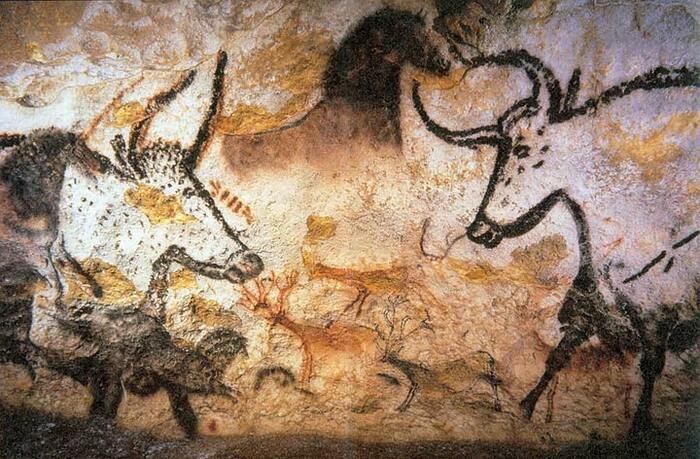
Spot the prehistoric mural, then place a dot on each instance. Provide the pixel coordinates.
(386, 221)
(634, 319)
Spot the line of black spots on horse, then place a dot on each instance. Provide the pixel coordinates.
(365, 70)
(277, 374)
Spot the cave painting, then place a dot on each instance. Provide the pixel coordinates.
(362, 94)
(628, 306)
(119, 314)
(150, 181)
(55, 185)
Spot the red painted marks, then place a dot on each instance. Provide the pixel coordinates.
(231, 201)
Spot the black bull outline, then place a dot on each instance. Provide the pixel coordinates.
(584, 312)
(150, 359)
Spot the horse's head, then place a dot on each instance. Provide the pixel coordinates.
(413, 43)
(367, 65)
(182, 212)
(402, 37)
(514, 199)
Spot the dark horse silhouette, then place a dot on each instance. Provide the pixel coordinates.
(130, 350)
(362, 91)
(364, 72)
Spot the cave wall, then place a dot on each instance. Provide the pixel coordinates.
(351, 218)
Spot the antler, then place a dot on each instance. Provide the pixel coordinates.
(493, 134)
(155, 104)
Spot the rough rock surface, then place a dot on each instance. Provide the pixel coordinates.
(353, 220)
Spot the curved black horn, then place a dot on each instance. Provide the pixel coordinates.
(206, 129)
(536, 72)
(486, 135)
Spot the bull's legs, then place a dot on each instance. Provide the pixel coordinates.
(558, 359)
(182, 410)
(651, 366)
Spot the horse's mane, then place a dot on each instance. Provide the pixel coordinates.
(10, 140)
(358, 71)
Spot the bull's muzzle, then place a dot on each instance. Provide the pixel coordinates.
(484, 232)
(241, 267)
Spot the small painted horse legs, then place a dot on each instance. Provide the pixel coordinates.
(106, 389)
(558, 359)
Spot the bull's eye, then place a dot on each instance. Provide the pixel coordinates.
(521, 151)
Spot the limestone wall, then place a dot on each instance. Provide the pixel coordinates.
(351, 218)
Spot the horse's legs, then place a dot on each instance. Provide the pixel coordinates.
(106, 393)
(557, 359)
(182, 410)
(362, 295)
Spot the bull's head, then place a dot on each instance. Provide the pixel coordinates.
(170, 194)
(521, 138)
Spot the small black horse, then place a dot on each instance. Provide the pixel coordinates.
(365, 70)
(362, 93)
(133, 351)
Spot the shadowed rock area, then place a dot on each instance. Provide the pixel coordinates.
(28, 434)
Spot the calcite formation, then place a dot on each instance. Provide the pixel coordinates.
(387, 221)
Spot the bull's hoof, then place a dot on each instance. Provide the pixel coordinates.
(646, 440)
(642, 429)
(527, 407)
